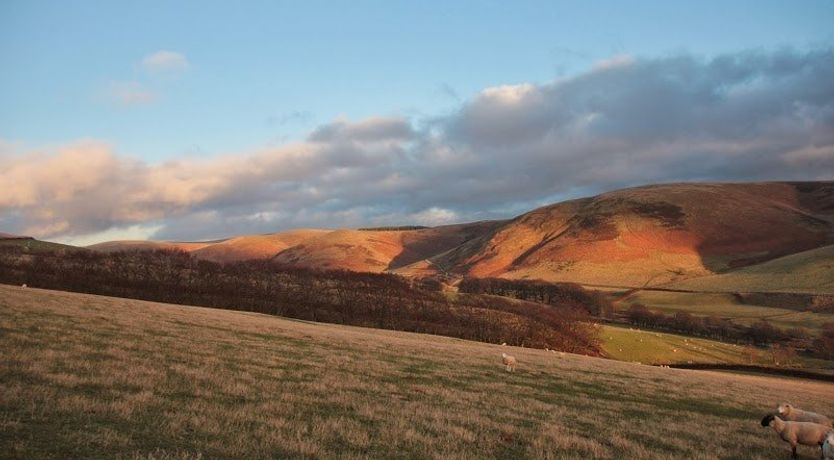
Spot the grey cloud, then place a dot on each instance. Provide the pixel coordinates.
(627, 121)
(375, 129)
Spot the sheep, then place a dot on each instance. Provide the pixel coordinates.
(805, 433)
(509, 361)
(792, 414)
(24, 285)
(828, 447)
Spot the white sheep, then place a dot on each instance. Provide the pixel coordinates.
(24, 285)
(805, 433)
(793, 414)
(828, 447)
(509, 361)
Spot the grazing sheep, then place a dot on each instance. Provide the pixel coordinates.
(805, 433)
(792, 414)
(509, 361)
(828, 447)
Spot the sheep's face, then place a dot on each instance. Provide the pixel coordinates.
(784, 408)
(767, 420)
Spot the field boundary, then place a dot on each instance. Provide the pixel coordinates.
(796, 373)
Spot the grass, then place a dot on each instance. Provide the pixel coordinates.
(809, 271)
(91, 377)
(725, 305)
(650, 347)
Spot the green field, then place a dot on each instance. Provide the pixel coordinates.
(725, 305)
(650, 347)
(96, 377)
(810, 271)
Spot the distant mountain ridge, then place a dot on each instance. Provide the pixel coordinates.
(644, 236)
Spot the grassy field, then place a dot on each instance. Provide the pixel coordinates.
(630, 344)
(810, 271)
(650, 347)
(725, 305)
(88, 376)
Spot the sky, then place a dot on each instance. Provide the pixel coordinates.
(198, 120)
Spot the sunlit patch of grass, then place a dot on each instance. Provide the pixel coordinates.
(727, 306)
(89, 376)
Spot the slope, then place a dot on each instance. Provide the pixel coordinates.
(379, 250)
(808, 271)
(255, 246)
(654, 234)
(147, 245)
(88, 376)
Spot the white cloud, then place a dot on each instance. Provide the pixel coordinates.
(507, 94)
(435, 216)
(165, 62)
(620, 60)
(133, 232)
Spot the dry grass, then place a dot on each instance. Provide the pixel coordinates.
(89, 376)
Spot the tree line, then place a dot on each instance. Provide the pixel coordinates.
(567, 295)
(760, 332)
(342, 297)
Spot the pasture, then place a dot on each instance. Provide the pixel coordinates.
(91, 376)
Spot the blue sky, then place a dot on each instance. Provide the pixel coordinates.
(170, 81)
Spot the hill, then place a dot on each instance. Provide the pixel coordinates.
(380, 250)
(654, 234)
(146, 245)
(89, 376)
(692, 233)
(31, 245)
(10, 236)
(255, 246)
(808, 271)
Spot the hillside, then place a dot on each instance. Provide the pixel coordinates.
(255, 246)
(32, 245)
(808, 271)
(89, 376)
(696, 234)
(10, 236)
(653, 235)
(380, 250)
(145, 245)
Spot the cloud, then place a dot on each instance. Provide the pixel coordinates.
(131, 93)
(165, 62)
(376, 129)
(744, 116)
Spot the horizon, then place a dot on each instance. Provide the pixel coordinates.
(268, 117)
(406, 224)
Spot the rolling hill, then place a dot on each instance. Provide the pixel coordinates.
(90, 376)
(380, 250)
(654, 234)
(808, 271)
(145, 245)
(30, 244)
(255, 246)
(689, 234)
